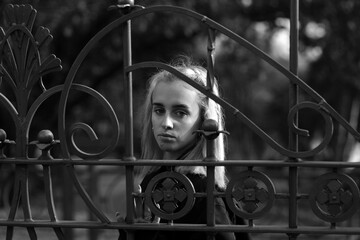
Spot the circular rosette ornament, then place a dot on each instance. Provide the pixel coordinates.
(250, 194)
(334, 197)
(170, 195)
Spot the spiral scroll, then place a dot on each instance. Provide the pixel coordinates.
(328, 125)
(90, 132)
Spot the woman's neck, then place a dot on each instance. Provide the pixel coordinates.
(178, 155)
(170, 156)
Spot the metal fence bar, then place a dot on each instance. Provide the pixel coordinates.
(129, 138)
(147, 162)
(210, 172)
(260, 229)
(22, 162)
(293, 100)
(210, 147)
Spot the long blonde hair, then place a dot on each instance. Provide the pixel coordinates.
(209, 110)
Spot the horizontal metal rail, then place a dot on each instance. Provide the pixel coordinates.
(144, 162)
(321, 230)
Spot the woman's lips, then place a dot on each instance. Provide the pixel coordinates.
(166, 137)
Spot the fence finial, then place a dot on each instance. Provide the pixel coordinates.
(45, 141)
(210, 129)
(4, 142)
(125, 6)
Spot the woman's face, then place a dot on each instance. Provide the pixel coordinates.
(175, 116)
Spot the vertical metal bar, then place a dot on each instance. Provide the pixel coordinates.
(68, 201)
(210, 58)
(24, 192)
(210, 188)
(14, 204)
(49, 192)
(293, 100)
(210, 143)
(22, 172)
(294, 38)
(25, 199)
(50, 200)
(129, 148)
(45, 155)
(93, 191)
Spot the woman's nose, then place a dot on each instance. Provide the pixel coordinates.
(167, 122)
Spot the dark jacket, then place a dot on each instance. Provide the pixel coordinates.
(197, 215)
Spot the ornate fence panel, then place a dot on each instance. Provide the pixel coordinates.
(333, 198)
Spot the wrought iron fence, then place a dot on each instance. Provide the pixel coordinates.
(333, 198)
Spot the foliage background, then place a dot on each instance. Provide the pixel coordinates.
(329, 59)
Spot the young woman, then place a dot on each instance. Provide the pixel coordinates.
(173, 111)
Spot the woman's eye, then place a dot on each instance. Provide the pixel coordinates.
(181, 113)
(158, 110)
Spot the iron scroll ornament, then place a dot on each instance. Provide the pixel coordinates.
(250, 194)
(329, 128)
(89, 131)
(334, 197)
(318, 100)
(170, 195)
(22, 67)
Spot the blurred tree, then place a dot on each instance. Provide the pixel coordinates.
(333, 32)
(329, 39)
(328, 56)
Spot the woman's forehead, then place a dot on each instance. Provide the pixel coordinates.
(175, 83)
(175, 92)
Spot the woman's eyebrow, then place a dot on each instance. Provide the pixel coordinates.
(157, 104)
(182, 106)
